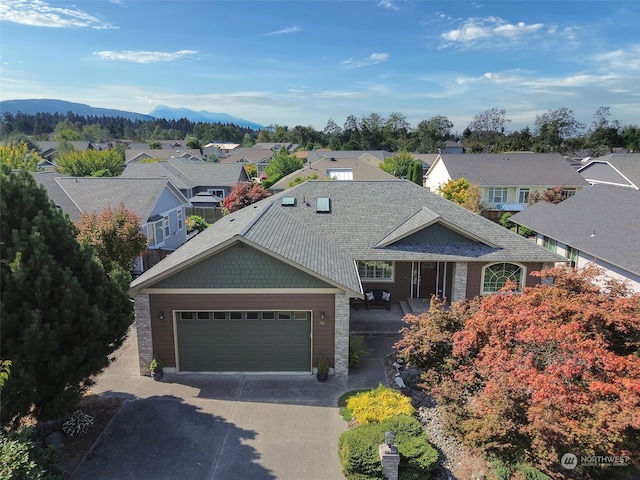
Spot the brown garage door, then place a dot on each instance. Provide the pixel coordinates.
(244, 341)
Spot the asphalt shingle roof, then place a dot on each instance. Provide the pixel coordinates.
(188, 174)
(544, 169)
(601, 221)
(96, 194)
(621, 168)
(363, 214)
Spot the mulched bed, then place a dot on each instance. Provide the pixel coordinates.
(455, 461)
(75, 448)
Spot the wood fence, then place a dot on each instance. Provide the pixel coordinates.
(210, 214)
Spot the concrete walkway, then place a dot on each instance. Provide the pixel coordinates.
(224, 427)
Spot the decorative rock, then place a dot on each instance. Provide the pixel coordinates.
(56, 440)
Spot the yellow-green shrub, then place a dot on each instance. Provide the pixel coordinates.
(378, 404)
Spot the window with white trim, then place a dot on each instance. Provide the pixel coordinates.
(155, 233)
(216, 192)
(165, 226)
(340, 173)
(568, 192)
(180, 222)
(549, 244)
(375, 270)
(523, 195)
(495, 276)
(498, 194)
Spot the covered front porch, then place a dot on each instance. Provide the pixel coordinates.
(380, 321)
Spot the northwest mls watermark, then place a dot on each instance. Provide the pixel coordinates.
(571, 461)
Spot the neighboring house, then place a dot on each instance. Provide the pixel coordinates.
(506, 179)
(192, 177)
(269, 287)
(276, 147)
(597, 226)
(157, 202)
(451, 146)
(339, 154)
(616, 169)
(224, 148)
(260, 157)
(164, 145)
(49, 150)
(365, 167)
(143, 156)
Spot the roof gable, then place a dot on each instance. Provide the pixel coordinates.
(427, 227)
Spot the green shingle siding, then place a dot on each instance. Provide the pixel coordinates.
(435, 233)
(241, 266)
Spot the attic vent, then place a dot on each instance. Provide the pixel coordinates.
(288, 201)
(323, 205)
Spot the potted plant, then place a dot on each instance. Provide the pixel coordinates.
(323, 369)
(155, 367)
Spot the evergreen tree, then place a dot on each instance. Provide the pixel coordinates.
(61, 315)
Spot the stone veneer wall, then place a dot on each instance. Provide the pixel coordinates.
(341, 359)
(459, 292)
(143, 329)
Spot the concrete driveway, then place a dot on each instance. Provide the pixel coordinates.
(224, 427)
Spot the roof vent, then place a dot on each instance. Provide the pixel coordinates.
(323, 205)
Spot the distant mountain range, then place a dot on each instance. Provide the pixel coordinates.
(33, 106)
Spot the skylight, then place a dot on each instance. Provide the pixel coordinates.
(323, 205)
(288, 201)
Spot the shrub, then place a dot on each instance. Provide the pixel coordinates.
(505, 222)
(358, 449)
(196, 222)
(78, 422)
(356, 350)
(376, 405)
(23, 459)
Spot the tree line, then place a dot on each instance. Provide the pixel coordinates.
(557, 130)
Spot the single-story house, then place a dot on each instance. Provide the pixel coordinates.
(148, 155)
(506, 179)
(269, 288)
(616, 169)
(364, 167)
(192, 176)
(597, 226)
(260, 157)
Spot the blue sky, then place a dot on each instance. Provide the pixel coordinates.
(305, 62)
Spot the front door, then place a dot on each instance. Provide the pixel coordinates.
(435, 279)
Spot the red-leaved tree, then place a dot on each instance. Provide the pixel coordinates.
(115, 235)
(243, 194)
(528, 377)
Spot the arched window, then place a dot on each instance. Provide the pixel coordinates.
(496, 275)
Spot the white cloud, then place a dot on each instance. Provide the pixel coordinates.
(37, 13)
(388, 4)
(143, 56)
(372, 59)
(619, 60)
(285, 31)
(477, 29)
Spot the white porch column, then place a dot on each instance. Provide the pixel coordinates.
(459, 292)
(341, 345)
(143, 329)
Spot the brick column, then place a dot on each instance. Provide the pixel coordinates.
(459, 281)
(143, 329)
(341, 345)
(390, 461)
